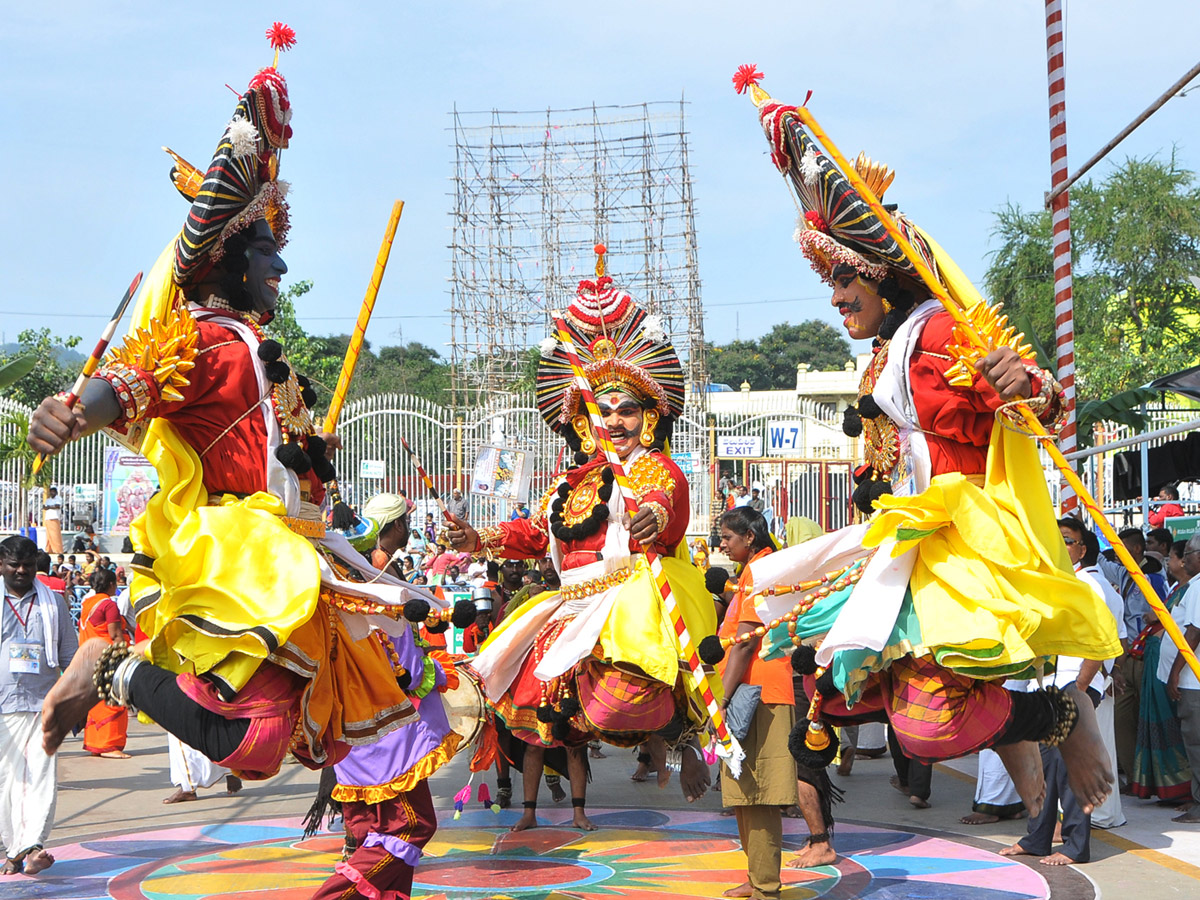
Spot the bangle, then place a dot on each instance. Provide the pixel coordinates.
(106, 667)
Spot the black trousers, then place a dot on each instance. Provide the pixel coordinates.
(1076, 824)
(155, 692)
(918, 776)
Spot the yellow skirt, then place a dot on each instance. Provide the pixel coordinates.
(638, 632)
(228, 583)
(993, 587)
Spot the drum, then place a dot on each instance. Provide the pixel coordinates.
(465, 706)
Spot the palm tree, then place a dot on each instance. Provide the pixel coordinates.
(14, 427)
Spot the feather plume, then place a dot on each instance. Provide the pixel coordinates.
(243, 136)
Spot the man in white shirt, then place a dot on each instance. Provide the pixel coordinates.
(1182, 686)
(52, 521)
(37, 641)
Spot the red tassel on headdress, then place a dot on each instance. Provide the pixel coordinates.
(282, 37)
(745, 76)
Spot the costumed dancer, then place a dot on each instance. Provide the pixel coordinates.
(598, 659)
(970, 582)
(254, 616)
(383, 788)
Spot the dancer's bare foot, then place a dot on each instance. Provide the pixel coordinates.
(72, 696)
(113, 754)
(596, 753)
(641, 772)
(1023, 761)
(14, 868)
(1184, 806)
(38, 861)
(738, 893)
(899, 785)
(528, 820)
(978, 818)
(845, 764)
(657, 748)
(813, 854)
(918, 802)
(693, 775)
(233, 784)
(1187, 818)
(1057, 859)
(180, 796)
(580, 820)
(557, 794)
(1016, 850)
(1085, 757)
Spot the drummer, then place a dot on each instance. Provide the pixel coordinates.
(476, 633)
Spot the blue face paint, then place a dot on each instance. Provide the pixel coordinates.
(264, 268)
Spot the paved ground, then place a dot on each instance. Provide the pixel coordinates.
(116, 839)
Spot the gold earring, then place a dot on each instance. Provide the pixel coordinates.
(587, 443)
(649, 423)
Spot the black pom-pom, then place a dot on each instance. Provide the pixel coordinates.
(463, 614)
(324, 470)
(851, 422)
(715, 580)
(581, 458)
(564, 490)
(293, 457)
(309, 396)
(711, 650)
(269, 351)
(825, 685)
(804, 660)
(438, 628)
(570, 707)
(303, 380)
(607, 475)
(278, 371)
(605, 492)
(879, 489)
(863, 474)
(806, 755)
(405, 681)
(891, 324)
(416, 610)
(546, 714)
(868, 408)
(599, 513)
(316, 445)
(560, 730)
(862, 498)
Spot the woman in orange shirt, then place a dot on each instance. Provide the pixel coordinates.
(107, 726)
(768, 779)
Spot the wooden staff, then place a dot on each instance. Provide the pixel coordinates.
(93, 361)
(343, 517)
(427, 481)
(728, 744)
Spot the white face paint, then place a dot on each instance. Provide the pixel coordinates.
(622, 416)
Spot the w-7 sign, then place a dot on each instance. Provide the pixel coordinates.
(784, 438)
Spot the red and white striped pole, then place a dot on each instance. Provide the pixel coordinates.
(1060, 215)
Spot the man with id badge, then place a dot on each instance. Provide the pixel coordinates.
(37, 641)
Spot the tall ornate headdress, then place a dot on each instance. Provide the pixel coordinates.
(621, 348)
(836, 226)
(241, 183)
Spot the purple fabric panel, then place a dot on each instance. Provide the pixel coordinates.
(397, 752)
(402, 850)
(411, 656)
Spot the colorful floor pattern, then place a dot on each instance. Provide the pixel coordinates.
(637, 854)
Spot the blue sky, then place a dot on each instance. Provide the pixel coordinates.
(951, 94)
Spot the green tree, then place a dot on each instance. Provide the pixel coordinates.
(51, 375)
(770, 362)
(1136, 239)
(318, 358)
(413, 368)
(14, 426)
